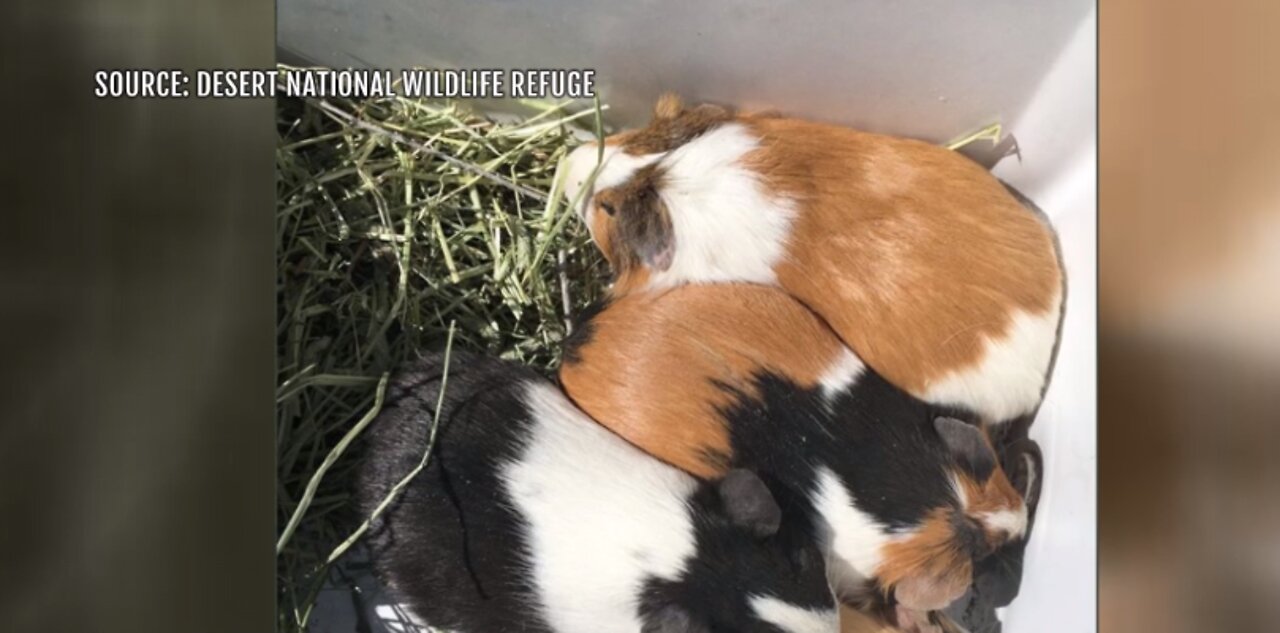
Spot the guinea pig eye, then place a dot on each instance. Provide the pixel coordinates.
(608, 208)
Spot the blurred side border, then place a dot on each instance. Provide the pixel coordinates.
(1189, 310)
(136, 451)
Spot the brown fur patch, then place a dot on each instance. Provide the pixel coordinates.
(994, 495)
(932, 556)
(853, 621)
(650, 368)
(602, 234)
(669, 106)
(914, 254)
(673, 125)
(633, 224)
(629, 281)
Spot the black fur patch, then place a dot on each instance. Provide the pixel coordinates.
(877, 439)
(970, 536)
(448, 547)
(880, 442)
(997, 580)
(453, 548)
(583, 330)
(642, 231)
(786, 565)
(672, 619)
(971, 452)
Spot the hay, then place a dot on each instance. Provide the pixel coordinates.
(993, 133)
(396, 219)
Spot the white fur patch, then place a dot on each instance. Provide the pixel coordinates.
(602, 516)
(958, 489)
(618, 167)
(853, 538)
(1007, 381)
(396, 618)
(842, 373)
(793, 619)
(1011, 522)
(727, 226)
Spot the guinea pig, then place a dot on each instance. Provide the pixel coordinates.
(916, 256)
(717, 377)
(532, 518)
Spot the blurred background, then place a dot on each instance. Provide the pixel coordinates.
(136, 323)
(1189, 315)
(137, 320)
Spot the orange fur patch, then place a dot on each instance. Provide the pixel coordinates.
(669, 106)
(931, 555)
(913, 253)
(650, 369)
(995, 495)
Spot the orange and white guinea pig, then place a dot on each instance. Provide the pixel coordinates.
(916, 256)
(906, 500)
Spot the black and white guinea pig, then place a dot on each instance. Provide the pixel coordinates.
(532, 518)
(916, 256)
(911, 502)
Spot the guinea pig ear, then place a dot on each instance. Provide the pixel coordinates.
(672, 619)
(668, 106)
(967, 446)
(1024, 464)
(749, 503)
(642, 223)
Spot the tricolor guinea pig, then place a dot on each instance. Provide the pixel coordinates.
(532, 518)
(717, 377)
(916, 256)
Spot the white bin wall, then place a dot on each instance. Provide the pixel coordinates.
(1059, 171)
(926, 68)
